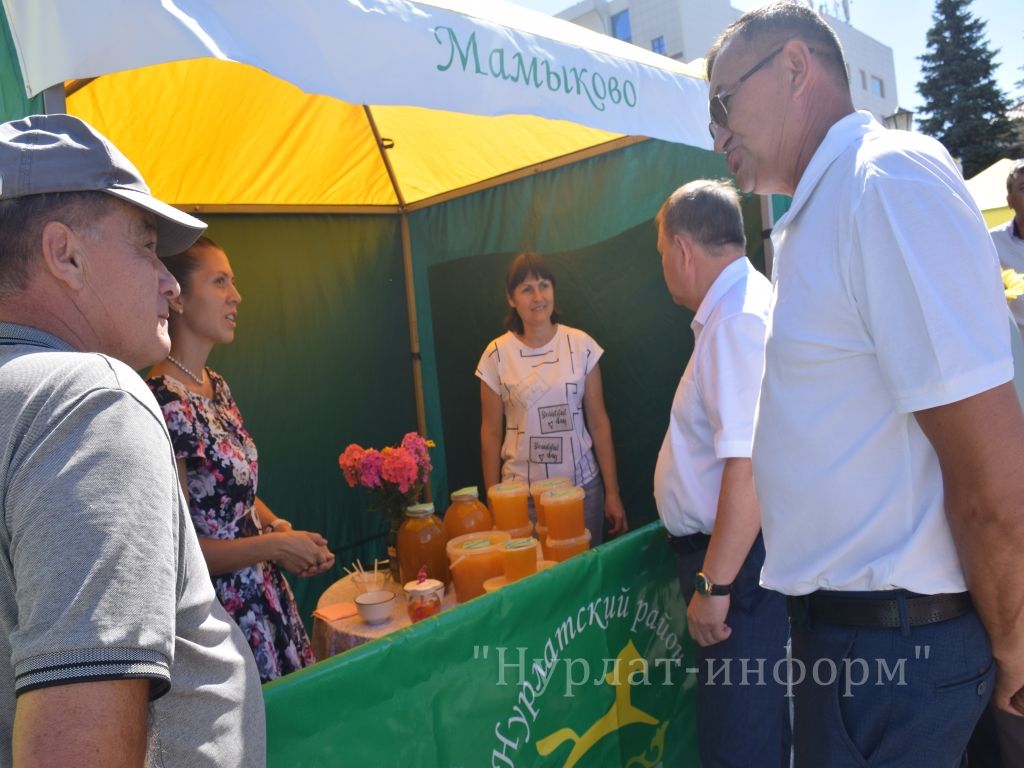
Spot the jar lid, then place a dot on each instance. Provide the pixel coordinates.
(548, 483)
(420, 510)
(425, 586)
(466, 545)
(563, 494)
(469, 491)
(511, 488)
(520, 543)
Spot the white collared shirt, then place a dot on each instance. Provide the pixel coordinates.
(1011, 256)
(887, 301)
(713, 409)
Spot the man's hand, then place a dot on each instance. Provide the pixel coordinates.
(705, 618)
(980, 445)
(1009, 692)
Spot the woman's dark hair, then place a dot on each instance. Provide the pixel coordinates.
(526, 265)
(183, 264)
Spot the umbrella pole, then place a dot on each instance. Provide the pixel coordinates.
(410, 290)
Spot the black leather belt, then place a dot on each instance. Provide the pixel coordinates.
(687, 545)
(846, 611)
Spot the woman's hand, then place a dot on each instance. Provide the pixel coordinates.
(303, 553)
(615, 513)
(328, 561)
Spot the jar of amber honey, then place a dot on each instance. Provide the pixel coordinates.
(467, 514)
(519, 558)
(538, 487)
(475, 557)
(510, 505)
(423, 599)
(421, 544)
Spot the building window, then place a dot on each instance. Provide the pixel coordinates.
(620, 27)
(863, 80)
(658, 44)
(877, 87)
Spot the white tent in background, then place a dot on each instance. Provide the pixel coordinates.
(988, 189)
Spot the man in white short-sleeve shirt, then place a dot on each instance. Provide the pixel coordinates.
(114, 650)
(703, 481)
(1009, 237)
(889, 443)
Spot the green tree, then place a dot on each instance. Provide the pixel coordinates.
(963, 106)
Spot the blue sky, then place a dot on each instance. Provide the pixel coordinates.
(902, 25)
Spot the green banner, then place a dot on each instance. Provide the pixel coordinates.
(584, 664)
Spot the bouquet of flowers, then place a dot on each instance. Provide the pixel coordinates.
(396, 474)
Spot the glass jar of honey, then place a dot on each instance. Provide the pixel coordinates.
(421, 544)
(423, 599)
(467, 514)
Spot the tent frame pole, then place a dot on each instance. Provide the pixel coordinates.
(410, 289)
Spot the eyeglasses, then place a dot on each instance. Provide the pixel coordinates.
(718, 106)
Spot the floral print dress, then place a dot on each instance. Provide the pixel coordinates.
(220, 457)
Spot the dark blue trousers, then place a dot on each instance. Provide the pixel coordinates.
(742, 712)
(888, 698)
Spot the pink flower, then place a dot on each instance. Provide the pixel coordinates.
(350, 461)
(370, 468)
(399, 467)
(417, 447)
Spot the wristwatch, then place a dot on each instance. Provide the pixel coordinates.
(706, 587)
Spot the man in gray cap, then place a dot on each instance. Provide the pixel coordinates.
(114, 650)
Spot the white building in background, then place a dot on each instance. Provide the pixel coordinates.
(685, 29)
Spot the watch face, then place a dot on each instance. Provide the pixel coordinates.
(701, 584)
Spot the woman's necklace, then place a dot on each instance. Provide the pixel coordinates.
(200, 381)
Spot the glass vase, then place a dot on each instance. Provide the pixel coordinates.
(396, 514)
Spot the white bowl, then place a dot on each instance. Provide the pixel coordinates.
(375, 607)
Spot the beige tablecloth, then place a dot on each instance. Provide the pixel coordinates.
(332, 637)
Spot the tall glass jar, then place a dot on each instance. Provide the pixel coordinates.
(421, 544)
(467, 514)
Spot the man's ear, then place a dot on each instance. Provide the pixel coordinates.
(685, 248)
(62, 255)
(796, 59)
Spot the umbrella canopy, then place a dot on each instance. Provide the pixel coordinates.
(260, 103)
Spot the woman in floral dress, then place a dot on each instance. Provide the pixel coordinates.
(242, 540)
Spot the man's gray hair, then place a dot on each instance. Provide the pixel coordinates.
(22, 220)
(1015, 170)
(707, 211)
(774, 24)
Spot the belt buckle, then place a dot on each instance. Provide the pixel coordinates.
(799, 610)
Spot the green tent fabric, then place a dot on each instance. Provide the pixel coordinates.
(13, 101)
(321, 356)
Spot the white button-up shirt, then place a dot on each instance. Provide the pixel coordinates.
(713, 409)
(887, 301)
(1010, 249)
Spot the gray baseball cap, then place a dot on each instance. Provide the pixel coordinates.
(61, 153)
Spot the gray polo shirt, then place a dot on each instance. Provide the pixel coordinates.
(101, 575)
